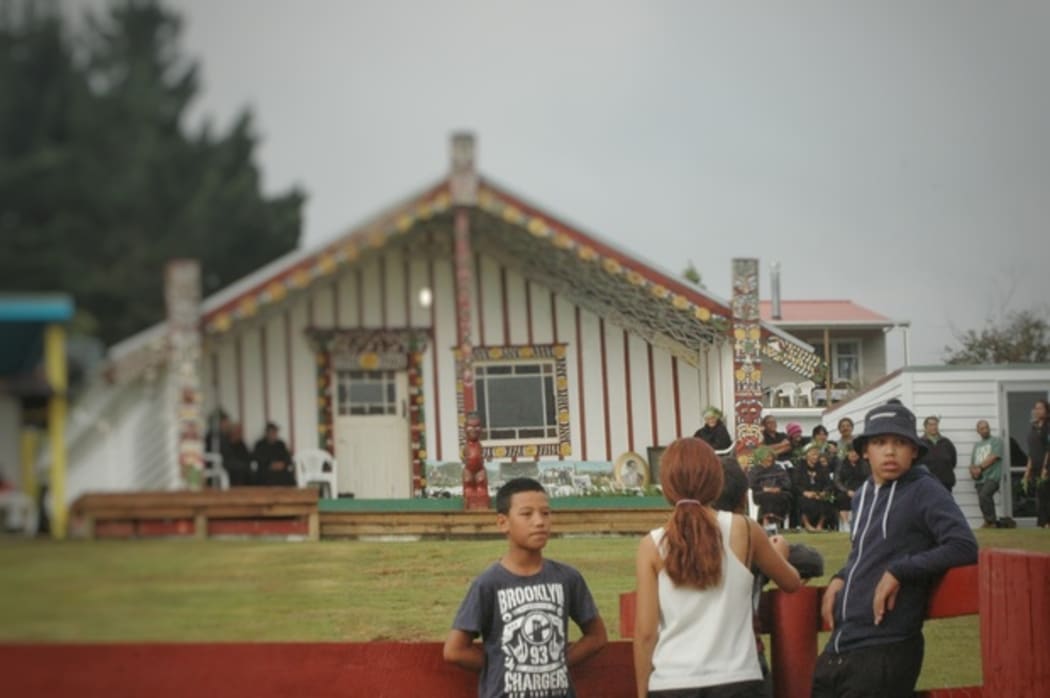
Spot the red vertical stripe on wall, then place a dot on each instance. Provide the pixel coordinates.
(288, 378)
(554, 318)
(239, 373)
(627, 384)
(605, 390)
(653, 422)
(480, 298)
(407, 277)
(382, 291)
(264, 362)
(677, 402)
(436, 398)
(359, 286)
(528, 310)
(335, 304)
(579, 387)
(503, 302)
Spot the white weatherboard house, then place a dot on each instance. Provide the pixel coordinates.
(961, 395)
(461, 298)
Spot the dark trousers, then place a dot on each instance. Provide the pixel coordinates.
(986, 498)
(773, 503)
(743, 689)
(883, 671)
(1042, 502)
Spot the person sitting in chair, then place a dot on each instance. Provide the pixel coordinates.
(274, 460)
(714, 431)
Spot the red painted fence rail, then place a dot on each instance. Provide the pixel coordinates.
(1010, 589)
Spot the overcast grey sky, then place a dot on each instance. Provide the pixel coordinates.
(893, 153)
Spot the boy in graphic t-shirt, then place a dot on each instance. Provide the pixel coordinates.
(521, 606)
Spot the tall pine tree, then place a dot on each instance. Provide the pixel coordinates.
(101, 180)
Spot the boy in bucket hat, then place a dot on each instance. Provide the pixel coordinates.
(907, 531)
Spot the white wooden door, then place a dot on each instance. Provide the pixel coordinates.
(371, 434)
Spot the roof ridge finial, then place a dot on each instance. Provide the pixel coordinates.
(463, 178)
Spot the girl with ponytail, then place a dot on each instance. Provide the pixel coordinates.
(693, 626)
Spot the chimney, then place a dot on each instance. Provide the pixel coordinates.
(774, 272)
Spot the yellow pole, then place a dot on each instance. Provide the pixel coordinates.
(29, 442)
(55, 364)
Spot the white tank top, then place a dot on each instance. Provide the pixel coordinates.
(705, 637)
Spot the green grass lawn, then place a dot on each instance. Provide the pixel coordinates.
(170, 590)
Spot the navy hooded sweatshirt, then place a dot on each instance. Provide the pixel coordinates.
(912, 527)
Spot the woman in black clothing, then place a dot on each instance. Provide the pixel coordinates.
(1037, 472)
(813, 485)
(770, 486)
(714, 431)
(850, 474)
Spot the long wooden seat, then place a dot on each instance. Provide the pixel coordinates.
(237, 511)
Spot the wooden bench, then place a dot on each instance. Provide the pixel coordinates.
(240, 511)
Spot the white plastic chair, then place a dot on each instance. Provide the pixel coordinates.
(20, 512)
(315, 466)
(788, 390)
(805, 392)
(728, 450)
(214, 472)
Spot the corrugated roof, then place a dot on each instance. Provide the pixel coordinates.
(830, 312)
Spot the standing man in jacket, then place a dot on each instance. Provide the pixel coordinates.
(941, 457)
(907, 531)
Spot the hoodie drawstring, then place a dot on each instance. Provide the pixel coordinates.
(860, 511)
(889, 503)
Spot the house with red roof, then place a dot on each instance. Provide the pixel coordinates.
(850, 338)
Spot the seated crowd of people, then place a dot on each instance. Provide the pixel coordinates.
(797, 482)
(269, 463)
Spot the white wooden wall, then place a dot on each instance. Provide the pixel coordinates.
(129, 443)
(508, 309)
(959, 398)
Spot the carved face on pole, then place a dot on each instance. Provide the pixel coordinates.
(472, 429)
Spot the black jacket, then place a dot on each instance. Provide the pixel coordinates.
(717, 436)
(940, 459)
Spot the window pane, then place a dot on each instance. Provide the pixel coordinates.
(365, 392)
(479, 399)
(515, 402)
(548, 396)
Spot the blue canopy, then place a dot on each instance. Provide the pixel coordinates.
(23, 318)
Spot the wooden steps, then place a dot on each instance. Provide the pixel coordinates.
(482, 524)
